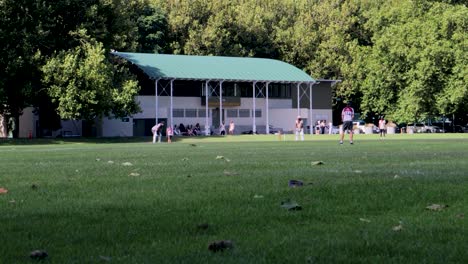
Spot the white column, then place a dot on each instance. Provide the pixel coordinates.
(220, 102)
(310, 108)
(254, 125)
(298, 99)
(156, 101)
(172, 104)
(267, 106)
(207, 129)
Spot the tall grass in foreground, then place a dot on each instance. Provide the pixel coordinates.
(87, 202)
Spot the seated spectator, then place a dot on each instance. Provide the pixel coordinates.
(176, 130)
(197, 129)
(182, 129)
(190, 131)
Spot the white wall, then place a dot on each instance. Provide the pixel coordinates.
(72, 127)
(117, 128)
(285, 118)
(147, 104)
(282, 114)
(26, 123)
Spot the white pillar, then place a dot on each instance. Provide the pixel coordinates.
(267, 106)
(220, 102)
(156, 101)
(172, 104)
(254, 125)
(310, 108)
(207, 129)
(298, 99)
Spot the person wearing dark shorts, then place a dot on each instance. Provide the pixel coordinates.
(347, 116)
(348, 125)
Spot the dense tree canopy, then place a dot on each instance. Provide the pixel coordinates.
(406, 59)
(35, 33)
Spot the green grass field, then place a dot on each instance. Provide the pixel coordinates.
(117, 201)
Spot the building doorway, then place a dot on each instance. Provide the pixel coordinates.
(215, 115)
(142, 127)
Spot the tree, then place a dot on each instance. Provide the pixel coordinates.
(152, 29)
(85, 85)
(16, 60)
(416, 66)
(31, 31)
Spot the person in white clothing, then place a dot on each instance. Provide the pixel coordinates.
(232, 126)
(382, 127)
(347, 116)
(157, 132)
(299, 127)
(222, 129)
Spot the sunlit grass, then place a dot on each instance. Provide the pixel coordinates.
(82, 201)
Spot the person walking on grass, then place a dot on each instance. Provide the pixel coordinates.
(169, 134)
(232, 126)
(222, 129)
(347, 116)
(382, 127)
(157, 132)
(299, 127)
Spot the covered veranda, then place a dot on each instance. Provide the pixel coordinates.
(213, 71)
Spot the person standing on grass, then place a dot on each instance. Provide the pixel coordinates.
(382, 127)
(156, 130)
(222, 129)
(347, 116)
(299, 128)
(232, 126)
(322, 126)
(169, 134)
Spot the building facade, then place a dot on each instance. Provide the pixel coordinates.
(258, 95)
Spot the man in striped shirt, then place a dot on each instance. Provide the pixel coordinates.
(347, 116)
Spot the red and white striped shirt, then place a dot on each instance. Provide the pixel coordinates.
(347, 114)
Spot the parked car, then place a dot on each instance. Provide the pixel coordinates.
(454, 129)
(417, 128)
(335, 130)
(359, 124)
(423, 128)
(437, 129)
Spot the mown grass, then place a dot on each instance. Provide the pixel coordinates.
(65, 197)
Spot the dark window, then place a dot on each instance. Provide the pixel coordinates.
(244, 113)
(190, 112)
(231, 113)
(178, 112)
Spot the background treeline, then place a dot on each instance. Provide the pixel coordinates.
(405, 59)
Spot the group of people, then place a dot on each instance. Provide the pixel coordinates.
(222, 128)
(320, 126)
(347, 116)
(188, 130)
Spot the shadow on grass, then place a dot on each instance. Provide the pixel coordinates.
(51, 141)
(109, 140)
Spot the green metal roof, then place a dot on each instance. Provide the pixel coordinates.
(186, 67)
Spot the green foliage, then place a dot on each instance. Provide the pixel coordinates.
(152, 29)
(83, 84)
(406, 59)
(414, 69)
(31, 31)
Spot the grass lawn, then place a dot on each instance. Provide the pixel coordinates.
(116, 201)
